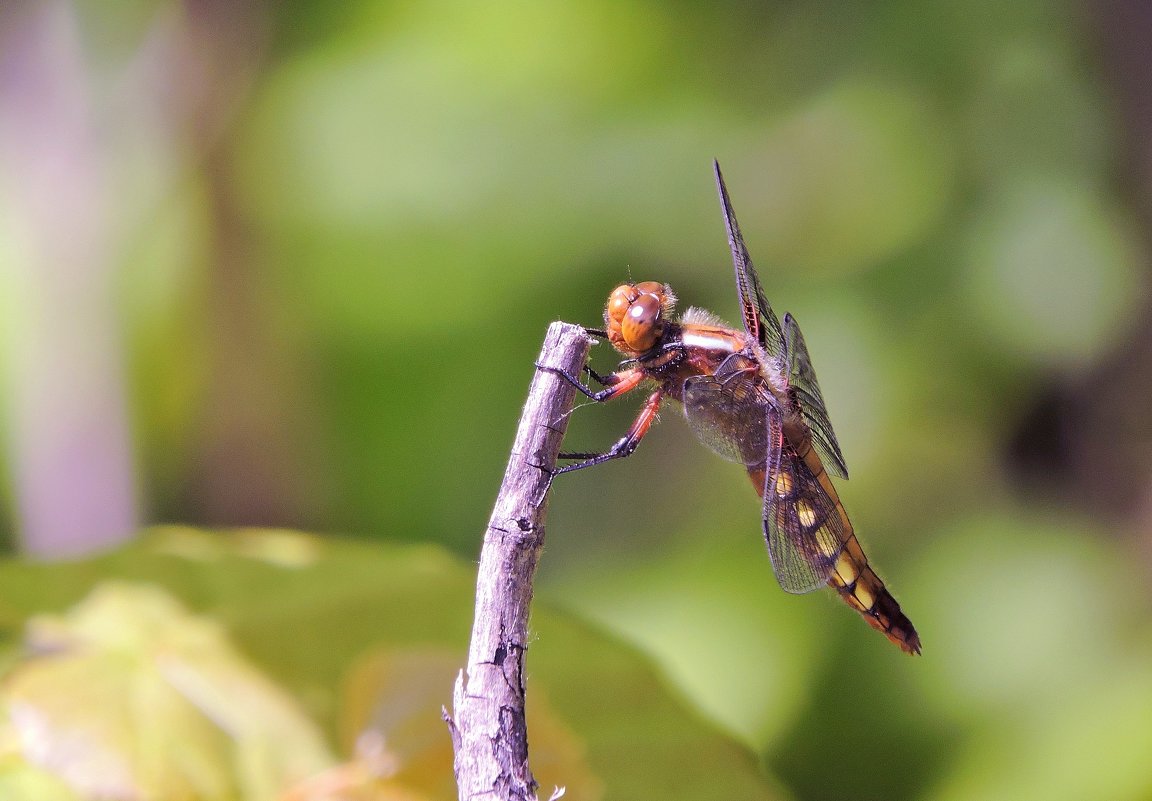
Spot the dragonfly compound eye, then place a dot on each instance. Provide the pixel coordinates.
(618, 302)
(635, 314)
(651, 288)
(643, 324)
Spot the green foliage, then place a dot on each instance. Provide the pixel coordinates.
(334, 261)
(121, 691)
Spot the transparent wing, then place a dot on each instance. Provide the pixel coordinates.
(759, 319)
(727, 410)
(802, 378)
(802, 524)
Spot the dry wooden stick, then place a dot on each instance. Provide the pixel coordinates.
(487, 724)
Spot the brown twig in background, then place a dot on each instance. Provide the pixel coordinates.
(487, 725)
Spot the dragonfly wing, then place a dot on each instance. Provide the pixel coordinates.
(727, 410)
(804, 527)
(802, 378)
(759, 319)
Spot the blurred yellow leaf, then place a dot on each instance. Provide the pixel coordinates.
(129, 696)
(393, 697)
(360, 779)
(20, 781)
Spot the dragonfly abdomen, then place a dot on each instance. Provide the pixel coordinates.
(855, 579)
(863, 590)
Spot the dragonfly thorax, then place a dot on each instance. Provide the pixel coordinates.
(635, 316)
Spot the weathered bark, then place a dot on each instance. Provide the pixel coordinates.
(487, 724)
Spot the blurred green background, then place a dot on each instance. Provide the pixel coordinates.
(289, 265)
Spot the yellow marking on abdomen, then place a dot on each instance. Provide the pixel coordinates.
(806, 513)
(783, 484)
(816, 467)
(846, 569)
(827, 542)
(856, 582)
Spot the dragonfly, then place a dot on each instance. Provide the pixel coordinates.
(751, 396)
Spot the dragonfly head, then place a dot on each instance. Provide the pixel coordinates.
(636, 314)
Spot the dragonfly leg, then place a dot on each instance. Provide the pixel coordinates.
(602, 380)
(614, 383)
(625, 446)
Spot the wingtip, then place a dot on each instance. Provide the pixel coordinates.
(719, 177)
(725, 202)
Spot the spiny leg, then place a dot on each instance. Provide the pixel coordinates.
(603, 381)
(626, 445)
(614, 383)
